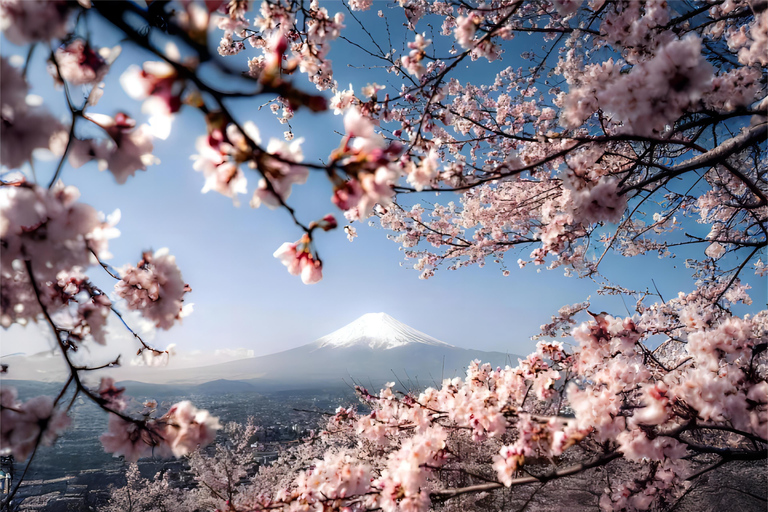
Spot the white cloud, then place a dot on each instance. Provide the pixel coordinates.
(234, 353)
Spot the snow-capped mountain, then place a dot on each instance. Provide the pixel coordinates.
(377, 331)
(372, 350)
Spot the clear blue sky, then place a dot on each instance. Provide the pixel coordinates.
(245, 298)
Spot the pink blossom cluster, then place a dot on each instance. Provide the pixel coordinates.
(280, 169)
(414, 430)
(79, 64)
(654, 93)
(223, 150)
(403, 483)
(298, 258)
(653, 115)
(711, 382)
(466, 36)
(158, 84)
(219, 156)
(30, 21)
(127, 150)
(343, 99)
(55, 234)
(233, 23)
(590, 203)
(155, 288)
(640, 494)
(188, 428)
(636, 24)
(620, 399)
(360, 5)
(369, 161)
(750, 41)
(88, 310)
(24, 127)
(336, 481)
(322, 28)
(481, 138)
(25, 425)
(412, 61)
(308, 45)
(422, 175)
(183, 429)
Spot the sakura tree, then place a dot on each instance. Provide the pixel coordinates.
(218, 477)
(637, 121)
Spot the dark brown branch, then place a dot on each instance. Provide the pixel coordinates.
(552, 475)
(715, 156)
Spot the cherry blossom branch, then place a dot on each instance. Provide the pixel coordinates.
(60, 165)
(738, 271)
(110, 364)
(103, 265)
(728, 452)
(73, 370)
(444, 494)
(709, 468)
(717, 155)
(75, 113)
(144, 345)
(115, 16)
(28, 59)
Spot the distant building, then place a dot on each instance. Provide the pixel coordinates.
(5, 482)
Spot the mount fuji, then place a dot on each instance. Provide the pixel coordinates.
(370, 351)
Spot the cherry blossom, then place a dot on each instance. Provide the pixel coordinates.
(155, 288)
(351, 232)
(367, 156)
(158, 84)
(130, 439)
(653, 92)
(412, 61)
(129, 148)
(79, 64)
(27, 424)
(300, 261)
(29, 21)
(50, 228)
(422, 175)
(24, 128)
(342, 100)
(220, 154)
(188, 428)
(281, 172)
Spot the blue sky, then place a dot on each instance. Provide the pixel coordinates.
(245, 298)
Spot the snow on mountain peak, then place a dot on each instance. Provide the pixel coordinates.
(378, 331)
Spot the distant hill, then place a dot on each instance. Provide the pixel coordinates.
(222, 386)
(27, 389)
(142, 389)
